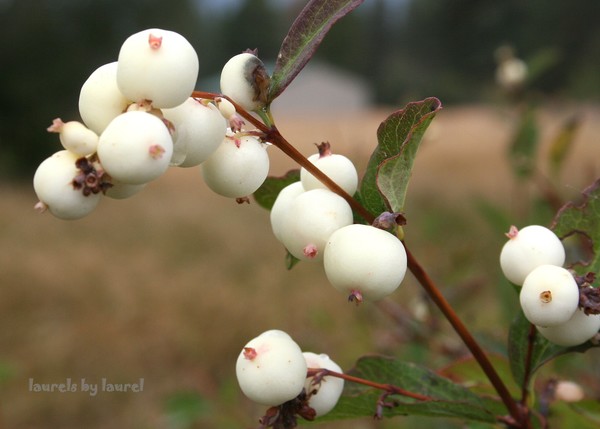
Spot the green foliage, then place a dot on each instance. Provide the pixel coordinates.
(523, 147)
(265, 196)
(183, 409)
(303, 38)
(447, 399)
(384, 185)
(583, 218)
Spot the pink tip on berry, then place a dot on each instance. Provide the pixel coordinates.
(512, 232)
(310, 251)
(56, 126)
(250, 353)
(324, 149)
(154, 41)
(40, 207)
(356, 297)
(156, 151)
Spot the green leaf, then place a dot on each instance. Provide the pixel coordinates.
(542, 350)
(580, 415)
(385, 182)
(303, 38)
(265, 195)
(448, 399)
(524, 145)
(562, 143)
(584, 219)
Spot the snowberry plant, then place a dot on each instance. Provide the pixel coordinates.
(141, 115)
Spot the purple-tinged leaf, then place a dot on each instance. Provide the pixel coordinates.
(303, 38)
(384, 185)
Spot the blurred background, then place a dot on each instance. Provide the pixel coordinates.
(169, 285)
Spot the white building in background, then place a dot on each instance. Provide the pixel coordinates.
(324, 88)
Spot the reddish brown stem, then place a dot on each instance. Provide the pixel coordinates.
(392, 389)
(272, 134)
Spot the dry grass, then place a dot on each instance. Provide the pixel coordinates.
(167, 286)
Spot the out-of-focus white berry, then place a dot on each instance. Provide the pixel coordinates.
(243, 80)
(120, 191)
(312, 217)
(364, 262)
(330, 389)
(53, 185)
(135, 148)
(575, 331)
(75, 137)
(527, 249)
(157, 65)
(100, 100)
(279, 211)
(237, 168)
(200, 130)
(271, 369)
(549, 296)
(339, 169)
(568, 391)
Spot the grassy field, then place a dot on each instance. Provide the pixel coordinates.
(169, 285)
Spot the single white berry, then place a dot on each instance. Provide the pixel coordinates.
(279, 211)
(121, 191)
(364, 262)
(575, 331)
(135, 148)
(157, 65)
(53, 183)
(271, 369)
(311, 218)
(238, 167)
(75, 137)
(568, 391)
(100, 100)
(200, 130)
(549, 296)
(339, 168)
(244, 80)
(527, 249)
(324, 395)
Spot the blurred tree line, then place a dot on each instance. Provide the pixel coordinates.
(405, 49)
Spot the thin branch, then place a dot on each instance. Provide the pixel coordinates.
(390, 388)
(528, 358)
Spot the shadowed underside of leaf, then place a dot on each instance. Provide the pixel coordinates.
(448, 399)
(385, 182)
(303, 38)
(582, 218)
(267, 193)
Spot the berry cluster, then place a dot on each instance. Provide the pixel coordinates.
(139, 119)
(272, 369)
(533, 258)
(315, 224)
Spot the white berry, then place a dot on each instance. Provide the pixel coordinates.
(323, 396)
(339, 168)
(364, 262)
(239, 80)
(75, 137)
(53, 185)
(100, 100)
(271, 369)
(237, 168)
(135, 148)
(157, 65)
(279, 211)
(527, 249)
(575, 331)
(549, 296)
(312, 217)
(200, 130)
